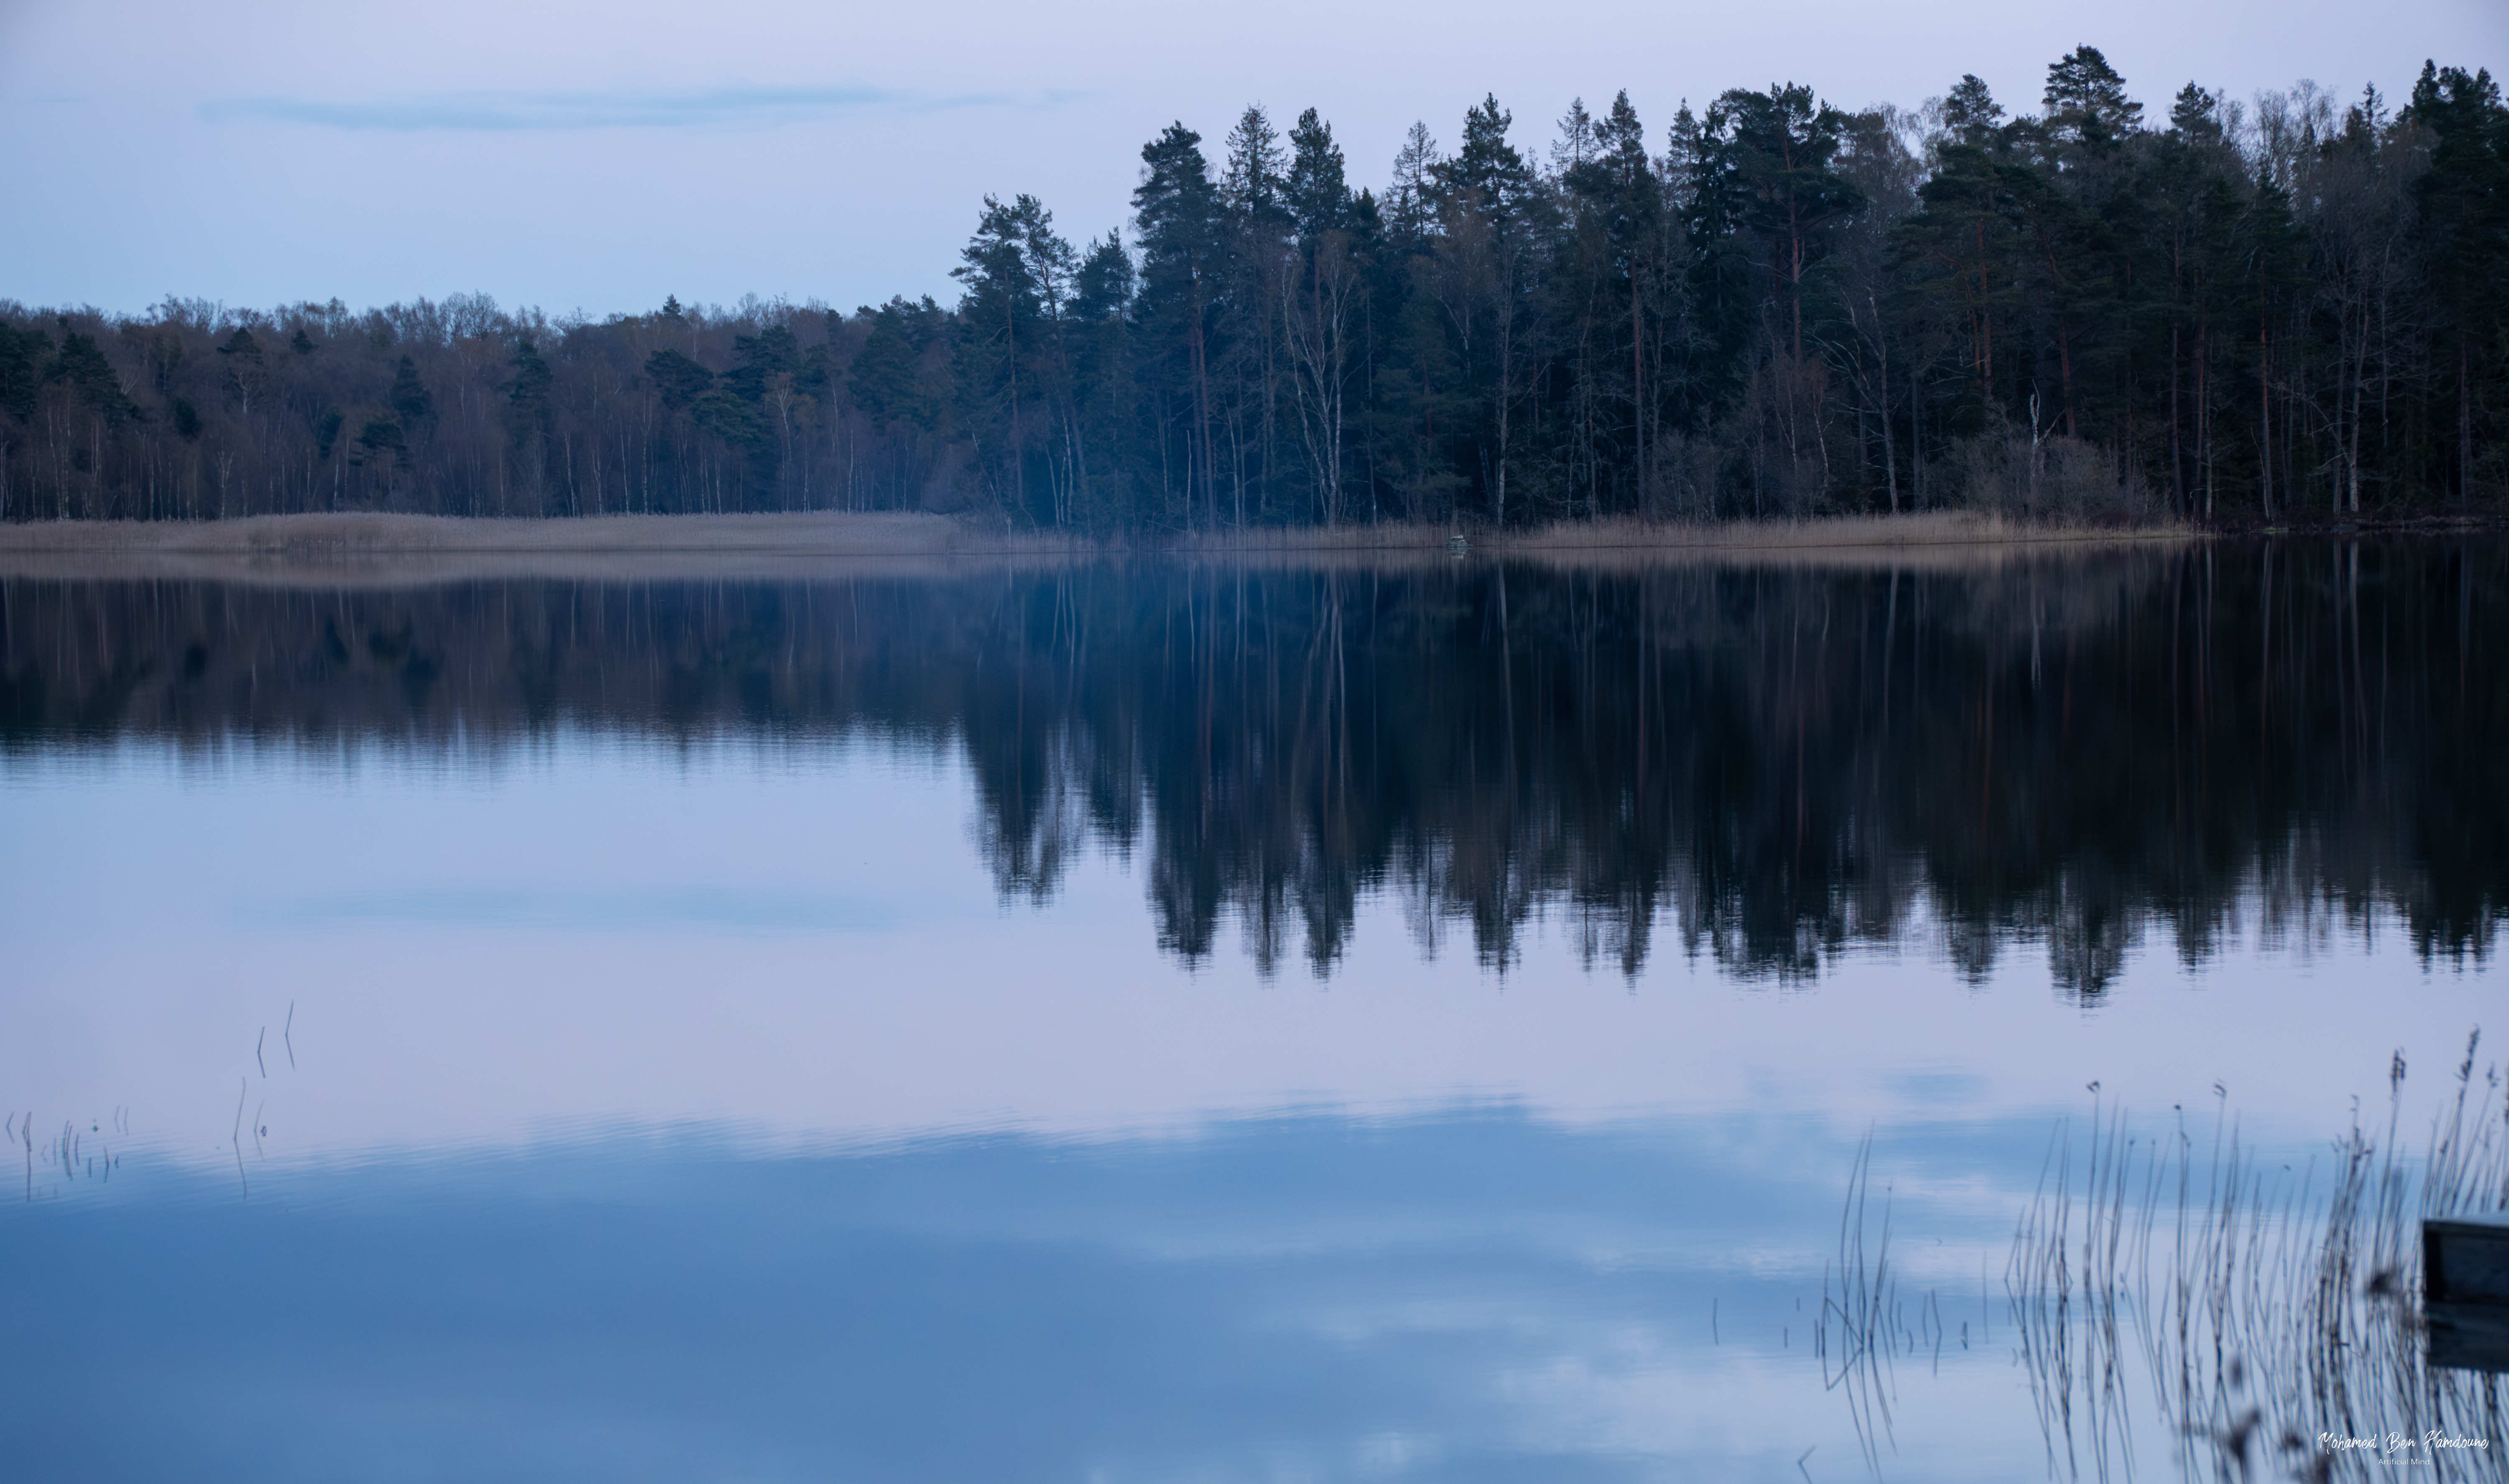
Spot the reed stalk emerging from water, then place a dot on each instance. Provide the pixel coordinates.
(2269, 1318)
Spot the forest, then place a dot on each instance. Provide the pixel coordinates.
(2294, 308)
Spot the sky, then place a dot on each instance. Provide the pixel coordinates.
(595, 157)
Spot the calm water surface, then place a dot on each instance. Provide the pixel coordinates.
(1154, 1021)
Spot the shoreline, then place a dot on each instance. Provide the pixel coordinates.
(916, 534)
(380, 549)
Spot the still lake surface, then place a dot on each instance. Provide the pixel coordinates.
(1151, 1021)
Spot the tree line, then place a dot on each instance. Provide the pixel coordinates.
(2294, 308)
(2292, 739)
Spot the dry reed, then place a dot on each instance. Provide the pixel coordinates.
(2269, 1318)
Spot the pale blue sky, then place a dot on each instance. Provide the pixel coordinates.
(572, 154)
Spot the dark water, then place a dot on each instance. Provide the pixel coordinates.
(1146, 1021)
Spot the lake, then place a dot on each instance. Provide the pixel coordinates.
(1257, 1021)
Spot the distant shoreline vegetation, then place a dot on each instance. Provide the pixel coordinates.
(659, 547)
(2290, 309)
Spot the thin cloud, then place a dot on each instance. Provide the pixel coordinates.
(738, 106)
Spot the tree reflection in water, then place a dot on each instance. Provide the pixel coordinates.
(1770, 763)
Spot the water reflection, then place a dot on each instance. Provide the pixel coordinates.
(563, 1029)
(1765, 765)
(1468, 1296)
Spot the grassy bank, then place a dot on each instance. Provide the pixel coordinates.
(366, 547)
(331, 535)
(900, 534)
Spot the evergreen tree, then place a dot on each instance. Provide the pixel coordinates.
(1178, 218)
(2087, 102)
(22, 353)
(1012, 268)
(2464, 201)
(678, 379)
(1315, 193)
(1487, 174)
(410, 400)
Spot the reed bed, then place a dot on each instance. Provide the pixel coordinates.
(2189, 1295)
(2270, 1317)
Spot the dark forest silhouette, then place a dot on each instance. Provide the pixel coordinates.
(2092, 312)
(1767, 765)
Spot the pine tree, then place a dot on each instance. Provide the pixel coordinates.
(1315, 192)
(1178, 218)
(1778, 153)
(2464, 207)
(1410, 209)
(2087, 102)
(527, 393)
(1487, 174)
(409, 396)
